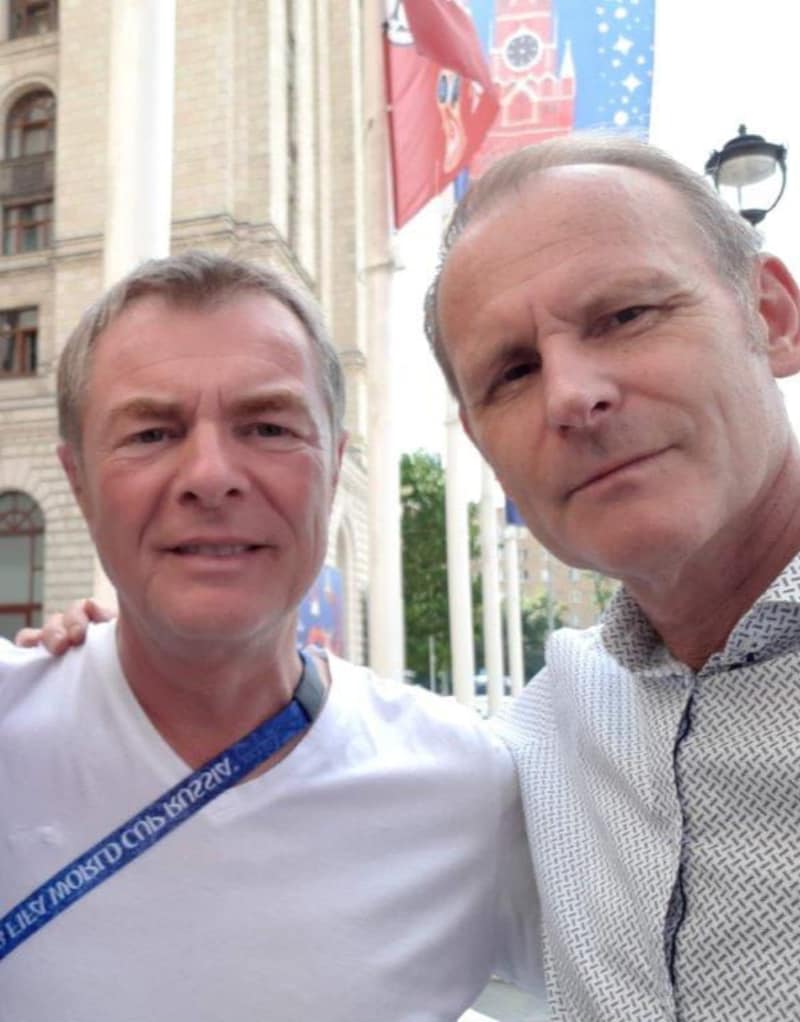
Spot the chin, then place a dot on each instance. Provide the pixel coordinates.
(214, 625)
(652, 556)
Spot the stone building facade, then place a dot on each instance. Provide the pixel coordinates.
(269, 162)
(577, 596)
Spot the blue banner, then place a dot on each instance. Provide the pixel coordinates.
(612, 48)
(513, 517)
(320, 618)
(564, 65)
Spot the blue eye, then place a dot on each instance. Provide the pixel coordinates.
(269, 429)
(516, 372)
(151, 436)
(632, 312)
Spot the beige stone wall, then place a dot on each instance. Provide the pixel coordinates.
(27, 410)
(571, 589)
(268, 163)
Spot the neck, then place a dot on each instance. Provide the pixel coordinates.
(202, 699)
(695, 608)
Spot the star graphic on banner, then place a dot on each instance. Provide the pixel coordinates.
(631, 83)
(623, 45)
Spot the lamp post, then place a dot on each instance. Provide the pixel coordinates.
(753, 169)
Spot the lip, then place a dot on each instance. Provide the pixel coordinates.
(614, 469)
(214, 548)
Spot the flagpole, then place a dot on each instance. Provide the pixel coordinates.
(459, 582)
(490, 578)
(385, 603)
(516, 666)
(443, 102)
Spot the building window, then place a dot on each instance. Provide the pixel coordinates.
(21, 562)
(30, 17)
(18, 335)
(26, 173)
(31, 125)
(26, 226)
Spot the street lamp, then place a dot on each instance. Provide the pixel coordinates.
(749, 163)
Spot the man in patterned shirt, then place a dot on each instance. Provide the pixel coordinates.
(613, 337)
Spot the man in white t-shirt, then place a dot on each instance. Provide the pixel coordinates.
(372, 864)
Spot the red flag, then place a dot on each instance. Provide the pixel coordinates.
(441, 98)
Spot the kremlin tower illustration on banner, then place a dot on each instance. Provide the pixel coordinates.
(536, 90)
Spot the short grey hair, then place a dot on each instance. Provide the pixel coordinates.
(732, 243)
(194, 279)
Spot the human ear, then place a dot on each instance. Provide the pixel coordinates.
(70, 462)
(339, 447)
(779, 311)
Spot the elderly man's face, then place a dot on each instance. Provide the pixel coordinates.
(609, 375)
(207, 468)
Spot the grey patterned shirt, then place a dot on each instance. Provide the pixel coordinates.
(664, 814)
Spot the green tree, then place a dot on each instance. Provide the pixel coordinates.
(535, 621)
(424, 562)
(603, 589)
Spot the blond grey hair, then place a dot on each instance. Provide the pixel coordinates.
(193, 279)
(731, 242)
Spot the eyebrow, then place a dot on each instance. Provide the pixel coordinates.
(642, 280)
(274, 401)
(140, 408)
(159, 410)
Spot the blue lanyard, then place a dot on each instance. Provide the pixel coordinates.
(162, 816)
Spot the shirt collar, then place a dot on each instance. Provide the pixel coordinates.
(770, 627)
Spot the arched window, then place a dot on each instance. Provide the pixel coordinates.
(21, 562)
(19, 331)
(26, 178)
(31, 125)
(29, 17)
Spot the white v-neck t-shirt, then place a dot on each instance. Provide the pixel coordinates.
(379, 872)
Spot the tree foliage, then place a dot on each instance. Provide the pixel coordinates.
(424, 562)
(537, 620)
(603, 589)
(425, 597)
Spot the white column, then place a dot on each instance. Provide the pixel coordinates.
(459, 585)
(5, 20)
(386, 635)
(386, 627)
(490, 578)
(548, 588)
(513, 617)
(141, 103)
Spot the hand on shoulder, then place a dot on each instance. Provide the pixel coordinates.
(64, 629)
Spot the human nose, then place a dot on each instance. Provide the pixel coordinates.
(580, 391)
(209, 473)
